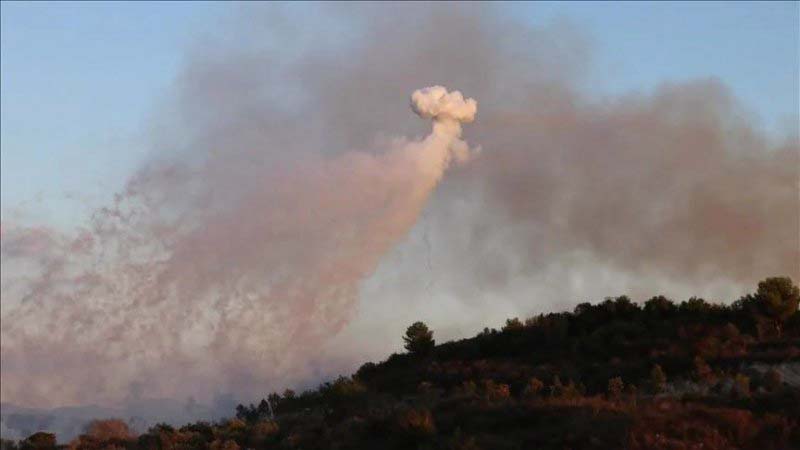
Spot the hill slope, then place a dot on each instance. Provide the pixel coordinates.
(611, 375)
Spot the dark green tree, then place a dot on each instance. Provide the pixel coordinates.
(659, 306)
(778, 298)
(513, 325)
(419, 339)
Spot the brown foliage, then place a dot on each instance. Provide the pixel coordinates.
(668, 424)
(615, 388)
(416, 422)
(109, 429)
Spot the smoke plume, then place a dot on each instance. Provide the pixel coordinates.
(252, 282)
(270, 240)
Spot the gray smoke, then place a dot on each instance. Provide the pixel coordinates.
(263, 231)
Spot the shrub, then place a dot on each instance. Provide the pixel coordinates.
(39, 441)
(261, 432)
(461, 442)
(416, 422)
(565, 391)
(105, 430)
(345, 387)
(495, 391)
(424, 387)
(469, 388)
(533, 388)
(773, 380)
(703, 372)
(741, 386)
(615, 388)
(573, 391)
(632, 392)
(224, 445)
(658, 379)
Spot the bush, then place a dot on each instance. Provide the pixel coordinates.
(224, 445)
(533, 388)
(416, 422)
(703, 372)
(565, 391)
(39, 441)
(469, 388)
(658, 379)
(461, 442)
(741, 386)
(773, 380)
(344, 387)
(109, 429)
(261, 433)
(495, 391)
(615, 388)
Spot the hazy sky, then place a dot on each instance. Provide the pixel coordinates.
(79, 80)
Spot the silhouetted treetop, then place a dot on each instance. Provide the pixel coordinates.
(419, 339)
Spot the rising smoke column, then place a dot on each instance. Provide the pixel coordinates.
(154, 297)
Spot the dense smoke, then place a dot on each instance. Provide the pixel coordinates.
(265, 223)
(253, 281)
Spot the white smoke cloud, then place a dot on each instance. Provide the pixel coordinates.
(435, 102)
(448, 111)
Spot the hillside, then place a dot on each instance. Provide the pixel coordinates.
(615, 374)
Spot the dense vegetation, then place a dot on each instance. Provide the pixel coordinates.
(612, 375)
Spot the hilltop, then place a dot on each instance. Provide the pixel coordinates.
(615, 374)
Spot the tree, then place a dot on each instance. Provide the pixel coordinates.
(419, 339)
(778, 299)
(513, 325)
(659, 306)
(694, 306)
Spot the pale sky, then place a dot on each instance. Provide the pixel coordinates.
(79, 80)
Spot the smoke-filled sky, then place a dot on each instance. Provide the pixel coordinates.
(205, 199)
